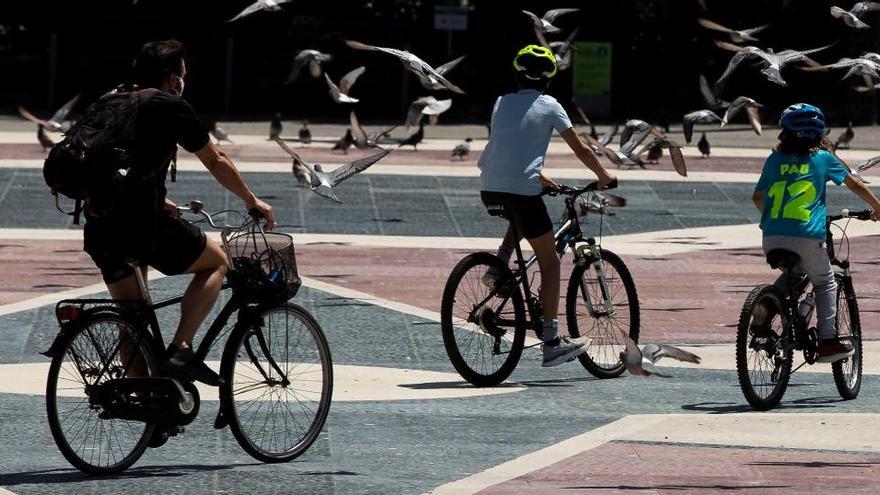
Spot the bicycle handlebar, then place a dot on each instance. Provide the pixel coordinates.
(577, 191)
(846, 213)
(198, 208)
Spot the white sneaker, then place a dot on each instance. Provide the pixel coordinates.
(565, 351)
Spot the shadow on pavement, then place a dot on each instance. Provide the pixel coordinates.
(675, 487)
(450, 385)
(817, 464)
(730, 407)
(49, 476)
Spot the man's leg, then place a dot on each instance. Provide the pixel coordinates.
(199, 298)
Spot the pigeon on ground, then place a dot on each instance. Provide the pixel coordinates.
(751, 106)
(275, 127)
(545, 23)
(414, 139)
(311, 58)
(643, 362)
(299, 170)
(704, 147)
(322, 183)
(340, 93)
(219, 133)
(426, 105)
(267, 5)
(701, 117)
(772, 62)
(735, 35)
(428, 76)
(44, 140)
(54, 124)
(305, 135)
(852, 17)
(461, 150)
(844, 139)
(344, 143)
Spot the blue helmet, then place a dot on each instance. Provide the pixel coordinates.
(803, 120)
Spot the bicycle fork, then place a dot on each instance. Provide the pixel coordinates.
(599, 268)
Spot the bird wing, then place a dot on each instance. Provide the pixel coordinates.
(414, 113)
(755, 30)
(870, 162)
(754, 119)
(334, 90)
(553, 14)
(349, 79)
(296, 157)
(657, 352)
(535, 20)
(401, 54)
(355, 167)
(724, 45)
(648, 366)
(250, 9)
(357, 132)
(436, 107)
(863, 7)
(708, 95)
(687, 125)
(439, 77)
(605, 150)
(838, 12)
(731, 66)
(62, 112)
(798, 54)
(298, 63)
(678, 160)
(706, 23)
(448, 66)
(610, 135)
(31, 117)
(654, 142)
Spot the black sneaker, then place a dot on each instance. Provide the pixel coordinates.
(184, 362)
(834, 349)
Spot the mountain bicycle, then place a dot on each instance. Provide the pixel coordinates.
(109, 397)
(772, 325)
(484, 328)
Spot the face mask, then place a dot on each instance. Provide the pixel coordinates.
(179, 89)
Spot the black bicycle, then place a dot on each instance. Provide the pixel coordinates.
(109, 397)
(772, 325)
(484, 327)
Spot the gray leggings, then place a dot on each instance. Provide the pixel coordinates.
(817, 266)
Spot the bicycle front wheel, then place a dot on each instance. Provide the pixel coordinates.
(848, 372)
(763, 361)
(483, 331)
(588, 316)
(104, 348)
(279, 382)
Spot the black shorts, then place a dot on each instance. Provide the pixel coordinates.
(176, 245)
(529, 212)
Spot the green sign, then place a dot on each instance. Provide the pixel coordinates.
(592, 68)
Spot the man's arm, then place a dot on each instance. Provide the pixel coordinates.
(587, 157)
(222, 168)
(758, 199)
(865, 193)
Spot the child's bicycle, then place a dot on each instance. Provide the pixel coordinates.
(484, 329)
(772, 326)
(109, 397)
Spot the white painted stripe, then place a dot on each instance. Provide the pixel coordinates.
(4, 491)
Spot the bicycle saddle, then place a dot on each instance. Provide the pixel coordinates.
(782, 258)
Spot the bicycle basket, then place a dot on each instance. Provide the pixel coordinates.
(263, 265)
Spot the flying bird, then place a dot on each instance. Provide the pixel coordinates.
(643, 362)
(219, 133)
(308, 58)
(654, 152)
(305, 135)
(360, 139)
(435, 84)
(415, 138)
(321, 182)
(675, 153)
(428, 76)
(299, 170)
(704, 147)
(737, 36)
(340, 93)
(461, 150)
(772, 62)
(267, 5)
(852, 17)
(54, 124)
(635, 131)
(862, 66)
(698, 117)
(426, 105)
(44, 140)
(545, 23)
(562, 50)
(275, 127)
(751, 107)
(714, 103)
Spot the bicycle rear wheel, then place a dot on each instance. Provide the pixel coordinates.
(91, 356)
(279, 383)
(848, 372)
(482, 348)
(763, 365)
(604, 331)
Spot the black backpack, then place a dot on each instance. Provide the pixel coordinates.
(97, 153)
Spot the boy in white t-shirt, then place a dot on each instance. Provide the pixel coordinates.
(511, 175)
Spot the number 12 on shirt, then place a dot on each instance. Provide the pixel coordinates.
(800, 194)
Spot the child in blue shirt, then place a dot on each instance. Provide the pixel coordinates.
(511, 175)
(791, 197)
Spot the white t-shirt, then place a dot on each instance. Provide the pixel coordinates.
(522, 124)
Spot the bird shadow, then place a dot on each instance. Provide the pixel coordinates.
(816, 464)
(63, 476)
(388, 220)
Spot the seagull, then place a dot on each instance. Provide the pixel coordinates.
(426, 105)
(735, 35)
(861, 66)
(428, 76)
(701, 117)
(299, 170)
(545, 23)
(562, 50)
(267, 5)
(275, 127)
(704, 147)
(844, 139)
(344, 143)
(340, 93)
(305, 135)
(44, 140)
(642, 362)
(414, 139)
(461, 150)
(311, 58)
(773, 62)
(54, 124)
(322, 183)
(219, 133)
(851, 17)
(751, 107)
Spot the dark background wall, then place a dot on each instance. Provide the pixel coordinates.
(50, 51)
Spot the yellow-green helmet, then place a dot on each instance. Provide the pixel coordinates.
(535, 62)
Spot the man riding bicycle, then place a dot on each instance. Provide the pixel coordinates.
(511, 176)
(143, 225)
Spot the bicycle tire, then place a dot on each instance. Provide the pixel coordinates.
(293, 335)
(465, 286)
(75, 361)
(602, 358)
(848, 372)
(767, 393)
